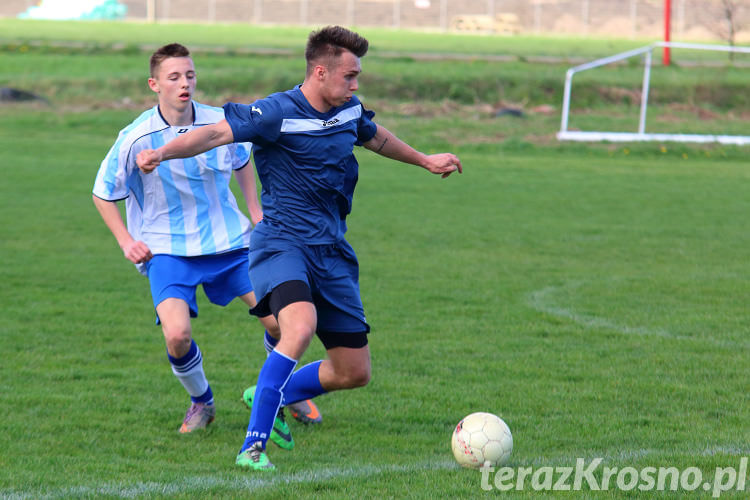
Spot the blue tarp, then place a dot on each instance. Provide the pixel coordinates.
(76, 9)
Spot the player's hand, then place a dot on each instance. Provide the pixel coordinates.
(137, 252)
(443, 164)
(148, 160)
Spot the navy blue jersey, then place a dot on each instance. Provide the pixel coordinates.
(304, 160)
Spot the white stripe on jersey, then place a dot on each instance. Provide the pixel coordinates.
(311, 124)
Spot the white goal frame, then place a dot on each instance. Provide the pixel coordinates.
(641, 134)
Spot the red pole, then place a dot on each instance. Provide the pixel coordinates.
(667, 17)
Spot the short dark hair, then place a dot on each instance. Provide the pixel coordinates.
(165, 52)
(330, 42)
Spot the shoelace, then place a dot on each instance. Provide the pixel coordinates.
(194, 408)
(255, 451)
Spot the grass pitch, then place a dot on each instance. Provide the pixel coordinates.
(592, 296)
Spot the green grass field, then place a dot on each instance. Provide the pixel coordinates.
(243, 36)
(593, 296)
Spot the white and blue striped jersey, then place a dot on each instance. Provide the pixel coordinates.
(184, 207)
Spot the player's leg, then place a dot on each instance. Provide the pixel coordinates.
(279, 273)
(291, 303)
(304, 411)
(272, 333)
(297, 322)
(341, 327)
(173, 281)
(229, 279)
(345, 368)
(187, 362)
(280, 433)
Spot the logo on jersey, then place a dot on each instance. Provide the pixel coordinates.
(328, 123)
(257, 110)
(182, 131)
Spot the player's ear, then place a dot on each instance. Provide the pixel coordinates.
(320, 71)
(153, 85)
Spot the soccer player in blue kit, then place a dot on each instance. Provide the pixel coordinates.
(302, 269)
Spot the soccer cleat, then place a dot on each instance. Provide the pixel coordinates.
(281, 435)
(255, 458)
(198, 416)
(305, 411)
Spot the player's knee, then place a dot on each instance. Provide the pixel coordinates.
(178, 339)
(300, 333)
(357, 377)
(362, 379)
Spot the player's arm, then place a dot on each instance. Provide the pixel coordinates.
(193, 143)
(386, 144)
(135, 251)
(246, 179)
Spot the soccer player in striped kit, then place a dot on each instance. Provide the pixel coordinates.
(184, 227)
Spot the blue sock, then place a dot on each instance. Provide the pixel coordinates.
(206, 398)
(304, 384)
(269, 342)
(273, 377)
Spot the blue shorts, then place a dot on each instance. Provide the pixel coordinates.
(331, 272)
(223, 276)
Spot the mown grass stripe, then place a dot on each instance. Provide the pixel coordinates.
(200, 484)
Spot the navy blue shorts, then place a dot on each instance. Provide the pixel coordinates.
(331, 272)
(223, 276)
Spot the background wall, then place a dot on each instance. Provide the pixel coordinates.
(691, 19)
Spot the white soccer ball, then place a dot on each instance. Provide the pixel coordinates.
(482, 439)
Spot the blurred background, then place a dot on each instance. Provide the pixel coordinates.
(709, 20)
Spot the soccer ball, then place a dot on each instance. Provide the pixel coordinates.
(481, 439)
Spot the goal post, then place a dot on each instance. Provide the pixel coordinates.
(641, 135)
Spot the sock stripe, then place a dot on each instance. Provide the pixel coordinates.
(304, 384)
(206, 398)
(269, 347)
(189, 371)
(189, 365)
(289, 358)
(269, 342)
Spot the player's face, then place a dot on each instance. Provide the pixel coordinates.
(341, 79)
(175, 82)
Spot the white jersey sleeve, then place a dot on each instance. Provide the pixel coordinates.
(118, 166)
